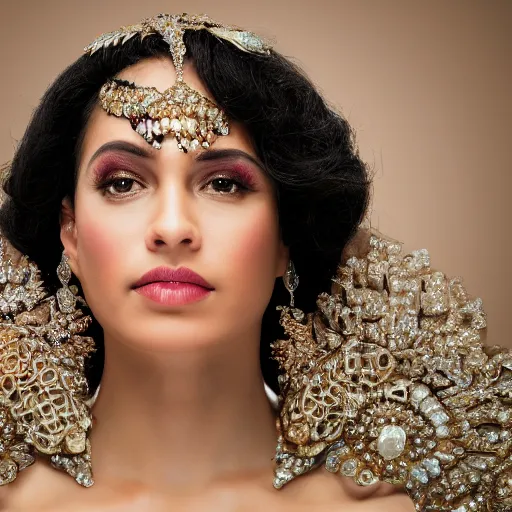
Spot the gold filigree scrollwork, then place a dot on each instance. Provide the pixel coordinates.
(389, 380)
(42, 383)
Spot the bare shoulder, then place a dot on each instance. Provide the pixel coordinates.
(34, 488)
(335, 493)
(4, 496)
(40, 488)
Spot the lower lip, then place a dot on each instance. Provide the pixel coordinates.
(173, 293)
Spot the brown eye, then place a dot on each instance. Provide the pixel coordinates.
(121, 185)
(226, 186)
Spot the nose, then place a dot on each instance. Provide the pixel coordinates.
(173, 222)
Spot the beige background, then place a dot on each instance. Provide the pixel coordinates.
(426, 85)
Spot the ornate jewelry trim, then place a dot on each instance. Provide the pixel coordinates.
(191, 117)
(389, 380)
(42, 382)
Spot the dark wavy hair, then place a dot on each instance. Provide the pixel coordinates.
(307, 149)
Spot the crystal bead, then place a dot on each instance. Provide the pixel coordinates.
(444, 457)
(165, 124)
(432, 466)
(175, 125)
(250, 41)
(156, 128)
(439, 418)
(212, 113)
(141, 128)
(429, 405)
(127, 110)
(290, 278)
(503, 416)
(366, 477)
(349, 467)
(418, 393)
(283, 474)
(391, 442)
(192, 126)
(116, 108)
(492, 437)
(442, 432)
(332, 463)
(420, 474)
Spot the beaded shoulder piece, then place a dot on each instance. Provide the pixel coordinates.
(43, 390)
(389, 380)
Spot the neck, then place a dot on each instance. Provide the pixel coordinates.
(182, 420)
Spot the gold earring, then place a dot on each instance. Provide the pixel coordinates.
(67, 295)
(291, 280)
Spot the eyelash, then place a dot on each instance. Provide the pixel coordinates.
(242, 186)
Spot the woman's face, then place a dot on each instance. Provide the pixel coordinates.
(136, 208)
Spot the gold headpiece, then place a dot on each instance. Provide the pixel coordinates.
(194, 120)
(389, 380)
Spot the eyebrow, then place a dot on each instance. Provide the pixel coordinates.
(119, 145)
(202, 156)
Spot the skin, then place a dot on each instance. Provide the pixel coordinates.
(182, 420)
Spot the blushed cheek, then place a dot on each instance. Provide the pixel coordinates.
(255, 246)
(252, 252)
(100, 248)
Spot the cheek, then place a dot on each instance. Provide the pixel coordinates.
(254, 239)
(246, 248)
(256, 244)
(102, 242)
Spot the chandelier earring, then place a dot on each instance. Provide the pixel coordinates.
(291, 281)
(67, 295)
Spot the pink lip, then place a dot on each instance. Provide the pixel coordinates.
(173, 286)
(179, 275)
(173, 293)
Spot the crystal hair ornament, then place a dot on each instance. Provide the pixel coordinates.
(193, 119)
(389, 380)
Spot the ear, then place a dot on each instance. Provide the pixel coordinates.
(68, 235)
(283, 256)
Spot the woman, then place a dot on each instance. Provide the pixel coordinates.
(177, 228)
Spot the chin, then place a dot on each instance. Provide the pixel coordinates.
(172, 334)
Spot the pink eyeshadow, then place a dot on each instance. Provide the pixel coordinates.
(111, 163)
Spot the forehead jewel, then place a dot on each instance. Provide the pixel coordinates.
(189, 116)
